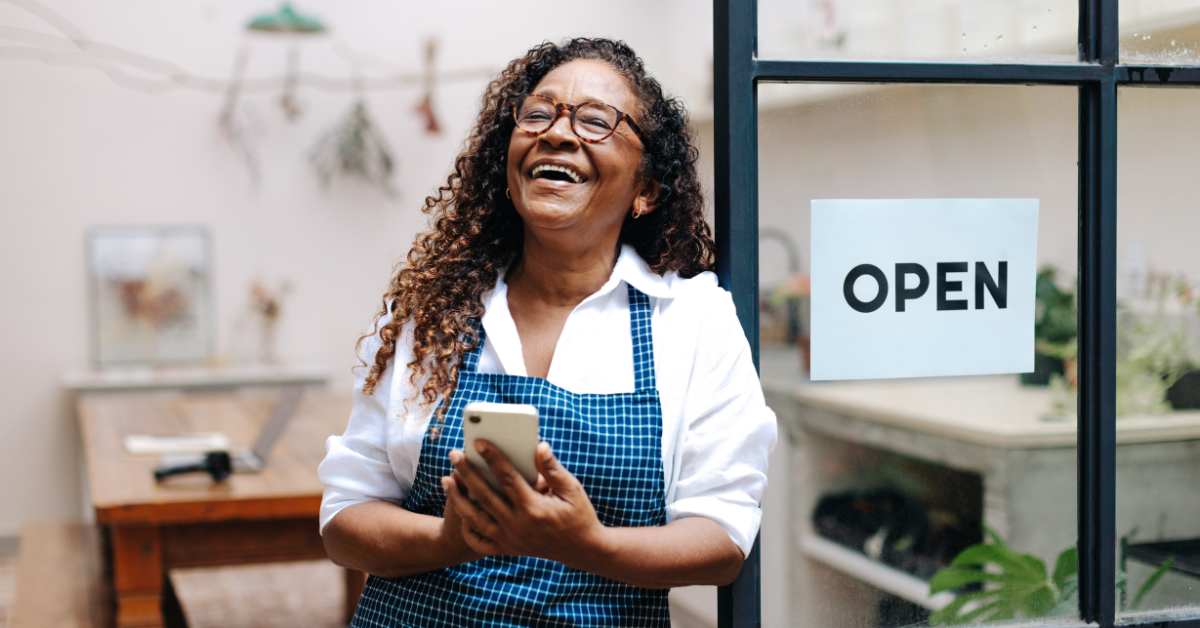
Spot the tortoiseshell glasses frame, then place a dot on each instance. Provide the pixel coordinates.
(592, 132)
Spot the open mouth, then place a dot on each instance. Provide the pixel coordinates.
(557, 173)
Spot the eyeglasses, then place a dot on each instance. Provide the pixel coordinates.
(591, 121)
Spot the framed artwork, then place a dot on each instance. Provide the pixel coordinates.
(150, 295)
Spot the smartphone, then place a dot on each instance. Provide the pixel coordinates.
(511, 427)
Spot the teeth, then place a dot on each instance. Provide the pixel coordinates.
(575, 176)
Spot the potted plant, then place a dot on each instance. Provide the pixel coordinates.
(1155, 358)
(1054, 331)
(993, 582)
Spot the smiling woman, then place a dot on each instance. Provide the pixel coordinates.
(567, 269)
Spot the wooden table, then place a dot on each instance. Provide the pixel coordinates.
(188, 521)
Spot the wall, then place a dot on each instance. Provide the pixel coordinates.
(79, 151)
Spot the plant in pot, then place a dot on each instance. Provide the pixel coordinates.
(1155, 357)
(1156, 363)
(993, 582)
(1054, 331)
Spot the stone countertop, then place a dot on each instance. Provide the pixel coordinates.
(993, 411)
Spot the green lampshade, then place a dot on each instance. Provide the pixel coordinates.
(286, 20)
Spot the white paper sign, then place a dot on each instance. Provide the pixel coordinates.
(918, 288)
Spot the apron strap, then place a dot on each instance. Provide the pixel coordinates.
(471, 358)
(643, 341)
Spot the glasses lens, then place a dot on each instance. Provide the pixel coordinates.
(595, 121)
(535, 113)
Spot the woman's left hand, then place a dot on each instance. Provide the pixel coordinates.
(554, 520)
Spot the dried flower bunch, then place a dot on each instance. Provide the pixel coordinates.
(355, 148)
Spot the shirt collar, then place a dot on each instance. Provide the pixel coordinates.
(502, 331)
(634, 270)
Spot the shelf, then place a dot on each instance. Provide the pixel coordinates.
(193, 378)
(872, 572)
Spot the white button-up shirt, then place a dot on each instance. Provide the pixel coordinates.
(717, 429)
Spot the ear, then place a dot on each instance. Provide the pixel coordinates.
(646, 200)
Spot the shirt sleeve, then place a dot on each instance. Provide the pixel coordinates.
(360, 465)
(730, 431)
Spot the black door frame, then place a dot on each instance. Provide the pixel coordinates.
(737, 71)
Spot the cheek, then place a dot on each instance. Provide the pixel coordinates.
(626, 167)
(517, 146)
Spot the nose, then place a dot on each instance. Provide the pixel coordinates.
(560, 134)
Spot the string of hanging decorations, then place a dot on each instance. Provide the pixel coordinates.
(352, 147)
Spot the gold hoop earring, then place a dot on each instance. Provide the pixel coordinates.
(507, 194)
(637, 213)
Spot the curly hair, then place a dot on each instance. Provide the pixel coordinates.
(476, 231)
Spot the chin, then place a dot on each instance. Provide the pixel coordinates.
(550, 215)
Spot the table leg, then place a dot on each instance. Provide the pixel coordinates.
(138, 575)
(355, 581)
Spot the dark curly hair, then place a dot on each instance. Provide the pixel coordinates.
(477, 232)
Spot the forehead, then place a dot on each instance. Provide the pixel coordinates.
(584, 80)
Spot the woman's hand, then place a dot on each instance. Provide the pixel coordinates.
(385, 540)
(554, 520)
(450, 534)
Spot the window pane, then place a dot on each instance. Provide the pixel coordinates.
(1158, 352)
(1160, 32)
(1002, 30)
(891, 479)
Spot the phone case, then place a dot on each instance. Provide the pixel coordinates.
(513, 428)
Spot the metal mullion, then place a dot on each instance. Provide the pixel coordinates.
(735, 147)
(1097, 442)
(1097, 352)
(915, 72)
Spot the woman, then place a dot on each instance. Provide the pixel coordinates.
(567, 269)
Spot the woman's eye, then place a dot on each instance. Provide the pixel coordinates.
(596, 123)
(536, 116)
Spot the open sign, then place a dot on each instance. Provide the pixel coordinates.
(913, 288)
(904, 293)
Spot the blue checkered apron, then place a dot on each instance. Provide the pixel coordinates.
(611, 443)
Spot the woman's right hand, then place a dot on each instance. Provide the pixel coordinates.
(453, 527)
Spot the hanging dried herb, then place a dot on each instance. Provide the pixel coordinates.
(355, 148)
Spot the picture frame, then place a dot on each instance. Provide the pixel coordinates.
(150, 295)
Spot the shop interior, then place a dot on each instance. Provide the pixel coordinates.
(203, 202)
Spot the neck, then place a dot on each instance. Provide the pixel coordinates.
(561, 277)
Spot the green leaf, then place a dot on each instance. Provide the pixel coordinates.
(1065, 567)
(949, 615)
(978, 613)
(1021, 587)
(1039, 601)
(1151, 581)
(1068, 590)
(952, 578)
(1015, 566)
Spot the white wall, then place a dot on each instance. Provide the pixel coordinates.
(78, 151)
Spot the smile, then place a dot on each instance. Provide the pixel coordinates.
(557, 173)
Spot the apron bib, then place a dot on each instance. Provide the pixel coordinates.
(611, 443)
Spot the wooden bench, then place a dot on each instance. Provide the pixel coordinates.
(60, 579)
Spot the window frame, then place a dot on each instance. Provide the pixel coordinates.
(737, 71)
